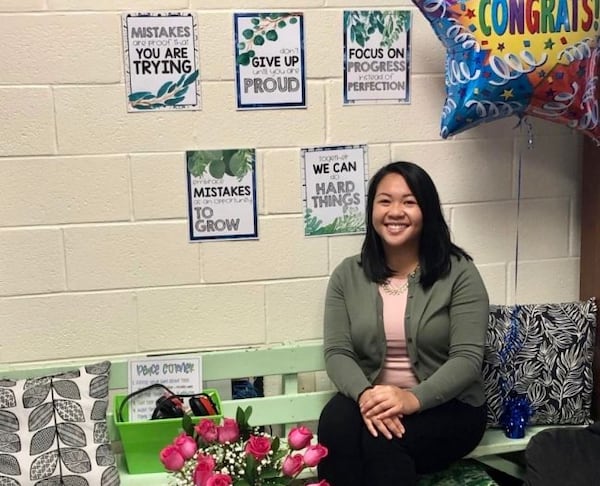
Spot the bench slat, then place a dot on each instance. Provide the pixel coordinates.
(217, 365)
(495, 441)
(281, 409)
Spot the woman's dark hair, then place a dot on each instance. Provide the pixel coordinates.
(435, 247)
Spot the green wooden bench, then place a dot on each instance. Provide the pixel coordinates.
(287, 408)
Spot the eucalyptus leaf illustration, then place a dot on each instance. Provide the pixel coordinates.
(264, 28)
(362, 24)
(348, 223)
(217, 168)
(171, 93)
(312, 224)
(197, 161)
(236, 163)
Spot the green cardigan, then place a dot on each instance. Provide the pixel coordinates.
(445, 333)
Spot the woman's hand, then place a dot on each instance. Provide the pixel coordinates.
(386, 401)
(387, 426)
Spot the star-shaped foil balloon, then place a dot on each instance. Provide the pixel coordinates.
(519, 57)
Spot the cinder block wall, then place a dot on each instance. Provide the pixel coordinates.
(94, 252)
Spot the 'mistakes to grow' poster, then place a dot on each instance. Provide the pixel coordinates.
(221, 194)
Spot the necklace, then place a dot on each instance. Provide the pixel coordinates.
(389, 288)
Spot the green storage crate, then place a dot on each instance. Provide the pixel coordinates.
(142, 441)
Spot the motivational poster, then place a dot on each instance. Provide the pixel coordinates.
(161, 67)
(221, 194)
(376, 56)
(181, 375)
(334, 189)
(269, 60)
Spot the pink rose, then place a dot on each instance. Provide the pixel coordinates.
(320, 483)
(172, 458)
(186, 445)
(219, 480)
(205, 465)
(207, 430)
(229, 431)
(292, 465)
(314, 454)
(258, 446)
(299, 437)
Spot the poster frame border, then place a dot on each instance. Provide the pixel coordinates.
(127, 60)
(195, 239)
(267, 106)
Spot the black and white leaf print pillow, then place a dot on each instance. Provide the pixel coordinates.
(548, 357)
(53, 430)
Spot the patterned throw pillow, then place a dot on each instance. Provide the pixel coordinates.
(549, 350)
(53, 430)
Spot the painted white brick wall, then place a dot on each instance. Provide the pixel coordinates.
(63, 48)
(94, 256)
(27, 117)
(63, 190)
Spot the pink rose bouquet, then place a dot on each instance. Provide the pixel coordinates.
(234, 453)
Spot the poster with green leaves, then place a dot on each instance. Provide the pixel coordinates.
(334, 181)
(221, 194)
(160, 52)
(376, 56)
(269, 60)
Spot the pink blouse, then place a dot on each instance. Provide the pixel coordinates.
(396, 368)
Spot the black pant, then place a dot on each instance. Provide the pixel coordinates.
(433, 439)
(564, 457)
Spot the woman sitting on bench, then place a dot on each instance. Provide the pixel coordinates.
(405, 325)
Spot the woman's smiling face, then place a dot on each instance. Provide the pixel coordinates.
(397, 217)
